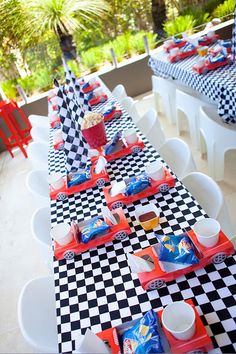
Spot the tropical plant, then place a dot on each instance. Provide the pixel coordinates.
(61, 17)
(224, 9)
(179, 25)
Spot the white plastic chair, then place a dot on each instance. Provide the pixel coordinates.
(37, 315)
(38, 155)
(188, 105)
(219, 138)
(119, 92)
(39, 121)
(166, 90)
(150, 126)
(130, 106)
(209, 195)
(38, 186)
(40, 134)
(176, 153)
(40, 227)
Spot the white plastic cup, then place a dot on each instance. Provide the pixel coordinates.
(130, 136)
(57, 137)
(207, 232)
(98, 92)
(93, 81)
(168, 42)
(56, 180)
(179, 319)
(155, 170)
(211, 34)
(174, 51)
(62, 234)
(200, 62)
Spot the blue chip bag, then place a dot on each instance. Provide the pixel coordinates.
(144, 337)
(79, 177)
(90, 96)
(110, 147)
(177, 249)
(137, 184)
(95, 227)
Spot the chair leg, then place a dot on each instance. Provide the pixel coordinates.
(219, 164)
(202, 145)
(178, 121)
(211, 158)
(157, 101)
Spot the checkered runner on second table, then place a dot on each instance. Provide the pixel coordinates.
(218, 85)
(97, 290)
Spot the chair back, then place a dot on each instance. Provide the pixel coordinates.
(40, 227)
(150, 126)
(37, 315)
(39, 121)
(178, 156)
(129, 105)
(38, 186)
(209, 195)
(38, 155)
(119, 92)
(40, 134)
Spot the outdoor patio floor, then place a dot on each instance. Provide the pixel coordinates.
(19, 257)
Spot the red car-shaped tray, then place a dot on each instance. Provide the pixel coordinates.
(207, 66)
(59, 145)
(121, 149)
(55, 123)
(205, 40)
(157, 277)
(116, 232)
(163, 186)
(96, 180)
(181, 55)
(96, 100)
(114, 113)
(172, 44)
(90, 87)
(199, 343)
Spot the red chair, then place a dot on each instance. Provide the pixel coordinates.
(17, 136)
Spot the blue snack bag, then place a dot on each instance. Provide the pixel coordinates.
(137, 184)
(110, 147)
(144, 337)
(90, 230)
(79, 177)
(177, 249)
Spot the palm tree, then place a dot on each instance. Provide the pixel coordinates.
(158, 16)
(63, 17)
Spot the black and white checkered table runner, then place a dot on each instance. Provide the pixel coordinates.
(219, 85)
(97, 289)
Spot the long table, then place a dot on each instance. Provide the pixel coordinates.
(98, 290)
(219, 85)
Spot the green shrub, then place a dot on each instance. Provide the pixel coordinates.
(200, 16)
(224, 9)
(9, 88)
(210, 5)
(73, 65)
(92, 58)
(179, 25)
(28, 84)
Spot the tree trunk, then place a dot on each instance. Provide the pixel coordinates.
(158, 16)
(67, 45)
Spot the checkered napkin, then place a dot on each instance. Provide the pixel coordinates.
(71, 115)
(234, 36)
(72, 82)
